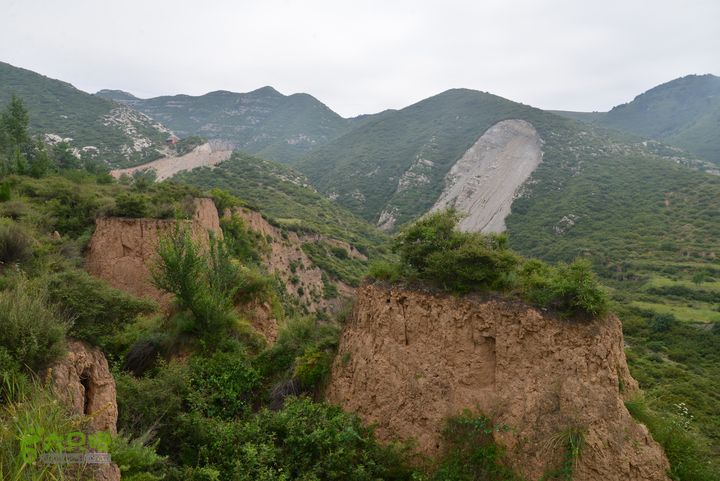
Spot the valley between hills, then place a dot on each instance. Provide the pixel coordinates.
(238, 285)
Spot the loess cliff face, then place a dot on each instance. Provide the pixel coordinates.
(408, 360)
(122, 250)
(286, 252)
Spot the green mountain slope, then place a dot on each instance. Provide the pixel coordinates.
(395, 163)
(641, 211)
(263, 122)
(286, 198)
(684, 112)
(121, 135)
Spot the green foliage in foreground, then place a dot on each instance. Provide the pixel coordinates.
(690, 457)
(432, 251)
(31, 330)
(98, 310)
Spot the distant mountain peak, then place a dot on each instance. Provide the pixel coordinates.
(117, 95)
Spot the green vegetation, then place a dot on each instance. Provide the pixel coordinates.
(33, 333)
(471, 453)
(58, 108)
(683, 112)
(286, 200)
(433, 251)
(689, 456)
(266, 123)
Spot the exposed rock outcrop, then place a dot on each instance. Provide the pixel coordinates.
(486, 179)
(122, 250)
(408, 360)
(82, 380)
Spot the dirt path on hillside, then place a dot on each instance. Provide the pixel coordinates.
(201, 156)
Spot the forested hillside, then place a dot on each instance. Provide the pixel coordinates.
(684, 112)
(263, 122)
(96, 128)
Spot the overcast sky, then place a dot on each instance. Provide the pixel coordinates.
(365, 56)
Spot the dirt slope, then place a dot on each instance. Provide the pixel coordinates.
(407, 360)
(287, 259)
(483, 183)
(201, 156)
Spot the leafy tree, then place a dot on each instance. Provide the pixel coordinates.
(15, 122)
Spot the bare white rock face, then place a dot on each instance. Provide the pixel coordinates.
(484, 182)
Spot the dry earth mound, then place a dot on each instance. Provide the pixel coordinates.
(407, 360)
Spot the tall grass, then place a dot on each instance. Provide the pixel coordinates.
(31, 331)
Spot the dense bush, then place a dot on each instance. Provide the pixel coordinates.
(30, 330)
(567, 288)
(471, 453)
(131, 205)
(222, 384)
(98, 310)
(304, 440)
(432, 250)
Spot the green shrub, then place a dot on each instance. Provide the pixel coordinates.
(222, 384)
(131, 205)
(662, 322)
(312, 368)
(471, 453)
(30, 330)
(33, 413)
(569, 289)
(434, 251)
(385, 271)
(242, 242)
(137, 458)
(99, 311)
(15, 244)
(152, 403)
(304, 440)
(5, 193)
(295, 337)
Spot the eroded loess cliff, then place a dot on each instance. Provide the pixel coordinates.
(83, 382)
(300, 276)
(408, 360)
(122, 250)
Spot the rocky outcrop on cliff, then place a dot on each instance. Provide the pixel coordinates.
(286, 258)
(408, 360)
(82, 381)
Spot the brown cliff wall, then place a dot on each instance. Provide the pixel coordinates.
(83, 382)
(408, 360)
(122, 250)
